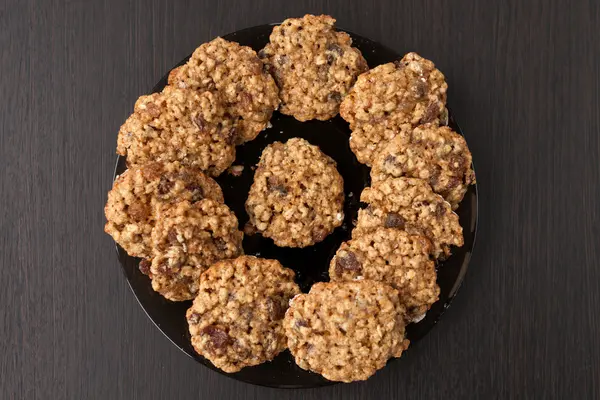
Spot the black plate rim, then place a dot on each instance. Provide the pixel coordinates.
(452, 293)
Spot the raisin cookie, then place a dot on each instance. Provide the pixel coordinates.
(179, 125)
(411, 205)
(130, 209)
(390, 98)
(239, 76)
(430, 152)
(236, 319)
(187, 239)
(313, 65)
(346, 331)
(297, 196)
(396, 258)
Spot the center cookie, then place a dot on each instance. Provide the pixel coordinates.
(297, 197)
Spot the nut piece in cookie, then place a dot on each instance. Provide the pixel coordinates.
(179, 125)
(410, 204)
(236, 318)
(391, 98)
(187, 239)
(430, 152)
(313, 65)
(297, 196)
(394, 257)
(132, 201)
(346, 331)
(239, 76)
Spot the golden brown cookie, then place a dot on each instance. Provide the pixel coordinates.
(394, 257)
(132, 201)
(236, 319)
(238, 75)
(430, 152)
(297, 197)
(410, 204)
(346, 331)
(187, 239)
(313, 65)
(390, 98)
(179, 125)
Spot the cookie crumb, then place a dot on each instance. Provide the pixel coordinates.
(419, 318)
(236, 170)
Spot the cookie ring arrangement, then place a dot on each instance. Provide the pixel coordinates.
(290, 199)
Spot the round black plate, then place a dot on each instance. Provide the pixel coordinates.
(310, 264)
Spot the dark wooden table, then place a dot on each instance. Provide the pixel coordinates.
(524, 82)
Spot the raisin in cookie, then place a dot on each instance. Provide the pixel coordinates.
(313, 65)
(187, 239)
(239, 76)
(430, 152)
(297, 197)
(394, 257)
(179, 125)
(346, 331)
(411, 205)
(236, 319)
(391, 98)
(130, 209)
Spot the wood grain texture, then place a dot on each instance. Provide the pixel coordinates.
(524, 82)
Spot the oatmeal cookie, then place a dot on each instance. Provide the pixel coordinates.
(313, 65)
(430, 152)
(346, 331)
(179, 125)
(187, 239)
(297, 197)
(239, 76)
(130, 209)
(409, 204)
(394, 257)
(391, 98)
(236, 319)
